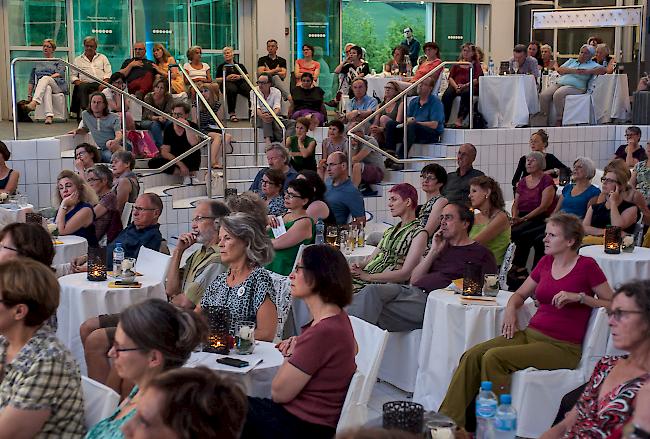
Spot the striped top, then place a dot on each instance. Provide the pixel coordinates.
(205, 118)
(426, 209)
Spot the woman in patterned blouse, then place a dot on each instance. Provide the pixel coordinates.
(433, 178)
(608, 400)
(246, 289)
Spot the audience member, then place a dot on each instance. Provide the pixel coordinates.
(578, 195)
(538, 142)
(491, 222)
(246, 288)
(301, 147)
(412, 44)
(104, 127)
(457, 188)
(609, 399)
(335, 141)
(275, 67)
(460, 82)
(108, 221)
(76, 199)
(93, 63)
(307, 100)
(272, 193)
(318, 208)
(361, 105)
(114, 100)
(378, 127)
(235, 83)
(306, 64)
(350, 69)
(401, 247)
(151, 337)
(553, 338)
(575, 74)
(603, 58)
(367, 164)
(400, 63)
(41, 385)
(125, 181)
(399, 307)
(8, 177)
(534, 50)
(431, 61)
(277, 157)
(208, 125)
(433, 178)
(632, 195)
(342, 197)
(162, 60)
(189, 403)
(594, 41)
(185, 286)
(297, 198)
(641, 178)
(310, 387)
(522, 63)
(161, 99)
(46, 78)
(85, 157)
(24, 240)
(249, 203)
(138, 71)
(547, 57)
(197, 70)
(273, 96)
(632, 152)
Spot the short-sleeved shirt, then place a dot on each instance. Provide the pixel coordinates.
(44, 376)
(101, 129)
(642, 179)
(574, 79)
(330, 367)
(179, 144)
(530, 66)
(425, 68)
(431, 111)
(531, 198)
(461, 75)
(230, 70)
(138, 72)
(365, 103)
(256, 185)
(243, 300)
(274, 100)
(568, 323)
(373, 157)
(272, 63)
(201, 269)
(330, 147)
(307, 98)
(457, 187)
(577, 205)
(344, 200)
(107, 224)
(200, 74)
(639, 154)
(349, 73)
(165, 106)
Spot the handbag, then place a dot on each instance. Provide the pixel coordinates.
(142, 143)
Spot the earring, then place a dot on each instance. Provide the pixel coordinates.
(486, 197)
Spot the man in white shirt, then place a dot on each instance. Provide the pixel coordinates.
(94, 64)
(272, 131)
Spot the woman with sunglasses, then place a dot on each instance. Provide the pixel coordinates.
(272, 184)
(299, 226)
(152, 337)
(608, 401)
(208, 125)
(391, 89)
(76, 199)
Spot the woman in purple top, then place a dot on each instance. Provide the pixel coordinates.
(310, 386)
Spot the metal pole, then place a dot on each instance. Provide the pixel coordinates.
(169, 79)
(209, 173)
(255, 145)
(13, 100)
(225, 101)
(471, 96)
(123, 121)
(198, 109)
(404, 123)
(349, 156)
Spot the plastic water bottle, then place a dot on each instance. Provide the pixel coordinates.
(486, 408)
(320, 232)
(505, 420)
(118, 257)
(490, 67)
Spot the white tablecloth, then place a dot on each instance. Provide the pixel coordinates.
(507, 101)
(72, 247)
(611, 98)
(13, 214)
(376, 84)
(623, 267)
(359, 254)
(82, 299)
(449, 329)
(257, 381)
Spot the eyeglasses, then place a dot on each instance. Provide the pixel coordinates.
(630, 134)
(177, 115)
(92, 179)
(81, 154)
(291, 196)
(298, 267)
(8, 248)
(267, 182)
(331, 165)
(428, 177)
(262, 82)
(196, 219)
(608, 180)
(140, 209)
(618, 313)
(118, 349)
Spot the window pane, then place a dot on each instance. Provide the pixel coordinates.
(569, 41)
(585, 3)
(162, 21)
(214, 23)
(32, 21)
(455, 25)
(24, 69)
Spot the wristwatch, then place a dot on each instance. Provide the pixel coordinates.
(582, 298)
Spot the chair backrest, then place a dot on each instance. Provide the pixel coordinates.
(282, 287)
(126, 214)
(508, 256)
(437, 85)
(298, 256)
(597, 176)
(594, 345)
(100, 401)
(152, 263)
(591, 84)
(353, 414)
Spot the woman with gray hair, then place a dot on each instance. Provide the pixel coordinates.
(578, 195)
(533, 203)
(246, 288)
(603, 58)
(107, 218)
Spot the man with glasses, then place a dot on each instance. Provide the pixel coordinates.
(185, 286)
(275, 67)
(342, 197)
(278, 158)
(139, 71)
(272, 131)
(412, 44)
(93, 63)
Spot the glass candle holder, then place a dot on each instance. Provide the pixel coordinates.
(245, 337)
(612, 240)
(403, 415)
(96, 264)
(491, 285)
(627, 245)
(472, 280)
(218, 318)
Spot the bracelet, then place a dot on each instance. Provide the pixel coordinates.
(64, 207)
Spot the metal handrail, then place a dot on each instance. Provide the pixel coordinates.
(403, 95)
(124, 95)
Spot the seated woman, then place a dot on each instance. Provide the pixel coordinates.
(152, 337)
(272, 184)
(318, 208)
(162, 60)
(433, 178)
(246, 288)
(299, 226)
(578, 195)
(40, 383)
(608, 401)
(218, 406)
(47, 78)
(307, 100)
(76, 201)
(547, 57)
(611, 207)
(401, 247)
(491, 223)
(567, 287)
(118, 80)
(533, 202)
(161, 99)
(8, 177)
(306, 64)
(335, 141)
(108, 221)
(391, 89)
(301, 147)
(197, 70)
(125, 182)
(604, 58)
(400, 63)
(85, 157)
(632, 152)
(235, 84)
(208, 125)
(104, 127)
(315, 368)
(538, 142)
(459, 84)
(26, 241)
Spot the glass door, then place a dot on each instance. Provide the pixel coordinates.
(455, 25)
(162, 21)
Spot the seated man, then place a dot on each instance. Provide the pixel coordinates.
(104, 127)
(521, 63)
(278, 158)
(457, 188)
(361, 105)
(176, 141)
(265, 120)
(139, 71)
(398, 308)
(424, 124)
(367, 165)
(275, 66)
(307, 100)
(343, 199)
(93, 63)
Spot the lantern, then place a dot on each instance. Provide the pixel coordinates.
(403, 415)
(613, 240)
(34, 218)
(218, 329)
(97, 264)
(472, 280)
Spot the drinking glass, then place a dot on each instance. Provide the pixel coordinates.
(491, 285)
(332, 233)
(245, 337)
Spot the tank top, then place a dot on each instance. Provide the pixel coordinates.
(5, 181)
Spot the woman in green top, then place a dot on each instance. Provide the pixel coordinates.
(299, 226)
(401, 247)
(302, 148)
(491, 223)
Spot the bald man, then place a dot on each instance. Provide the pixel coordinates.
(139, 71)
(457, 188)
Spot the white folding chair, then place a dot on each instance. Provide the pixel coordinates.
(349, 412)
(152, 263)
(579, 109)
(536, 394)
(100, 401)
(126, 214)
(393, 368)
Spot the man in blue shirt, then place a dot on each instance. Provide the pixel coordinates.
(424, 124)
(343, 199)
(361, 105)
(278, 158)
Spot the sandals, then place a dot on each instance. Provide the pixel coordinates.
(217, 167)
(234, 118)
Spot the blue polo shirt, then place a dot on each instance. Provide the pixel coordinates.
(575, 80)
(366, 103)
(344, 200)
(431, 111)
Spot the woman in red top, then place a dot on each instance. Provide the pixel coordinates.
(567, 287)
(310, 386)
(459, 83)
